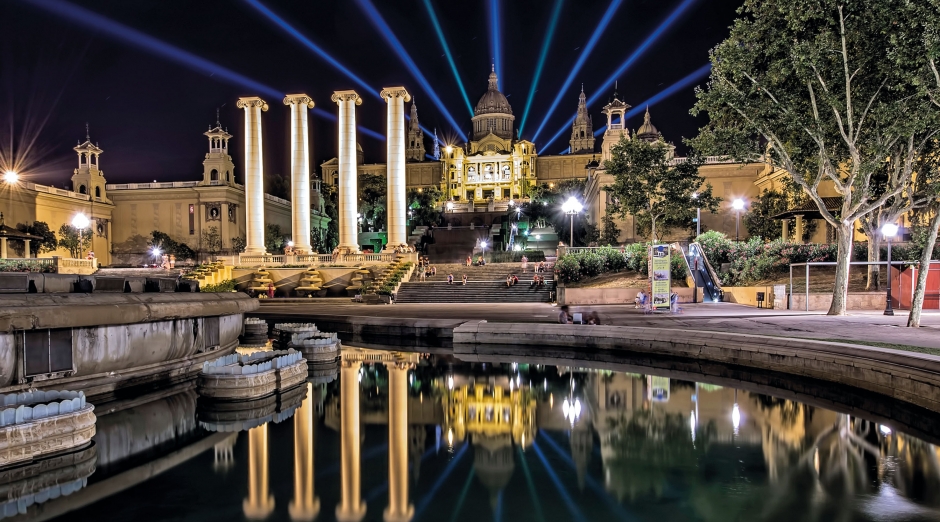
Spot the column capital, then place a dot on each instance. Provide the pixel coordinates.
(300, 99)
(388, 93)
(252, 101)
(341, 96)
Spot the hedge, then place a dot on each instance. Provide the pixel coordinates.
(573, 267)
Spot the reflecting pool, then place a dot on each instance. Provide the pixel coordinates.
(401, 436)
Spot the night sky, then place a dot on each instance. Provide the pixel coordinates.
(148, 112)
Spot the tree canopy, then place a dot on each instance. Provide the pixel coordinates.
(48, 243)
(659, 193)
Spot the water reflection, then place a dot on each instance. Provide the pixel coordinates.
(408, 437)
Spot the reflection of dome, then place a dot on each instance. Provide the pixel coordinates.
(494, 466)
(493, 101)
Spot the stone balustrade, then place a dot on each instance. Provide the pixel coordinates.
(321, 259)
(35, 424)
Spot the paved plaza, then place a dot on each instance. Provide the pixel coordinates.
(723, 317)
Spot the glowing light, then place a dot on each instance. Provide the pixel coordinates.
(80, 221)
(692, 425)
(10, 177)
(450, 437)
(496, 30)
(516, 247)
(290, 243)
(450, 205)
(447, 53)
(450, 382)
(572, 206)
(889, 230)
(156, 252)
(736, 417)
(448, 149)
(552, 23)
(884, 430)
(585, 53)
(483, 244)
(402, 54)
(738, 204)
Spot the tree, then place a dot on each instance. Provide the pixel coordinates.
(48, 243)
(238, 244)
(811, 87)
(759, 220)
(212, 240)
(610, 234)
(545, 208)
(74, 240)
(327, 240)
(169, 246)
(277, 186)
(654, 189)
(274, 239)
(424, 205)
(373, 190)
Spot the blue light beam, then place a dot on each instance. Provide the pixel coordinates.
(572, 508)
(447, 53)
(691, 78)
(172, 53)
(496, 30)
(261, 8)
(552, 24)
(585, 53)
(429, 496)
(399, 49)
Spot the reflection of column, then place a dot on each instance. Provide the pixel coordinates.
(254, 175)
(348, 172)
(396, 98)
(259, 503)
(351, 507)
(398, 510)
(300, 170)
(305, 506)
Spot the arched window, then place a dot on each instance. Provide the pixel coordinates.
(97, 192)
(82, 189)
(214, 175)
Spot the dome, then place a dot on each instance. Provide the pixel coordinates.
(648, 131)
(493, 101)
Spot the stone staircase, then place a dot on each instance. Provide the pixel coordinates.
(485, 284)
(474, 292)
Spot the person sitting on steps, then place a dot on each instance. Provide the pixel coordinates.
(465, 280)
(450, 279)
(508, 281)
(469, 261)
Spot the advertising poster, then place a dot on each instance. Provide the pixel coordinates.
(659, 274)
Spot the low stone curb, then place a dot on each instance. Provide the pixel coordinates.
(907, 376)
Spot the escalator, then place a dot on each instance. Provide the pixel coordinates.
(702, 273)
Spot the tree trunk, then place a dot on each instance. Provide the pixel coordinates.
(874, 255)
(918, 302)
(652, 229)
(840, 289)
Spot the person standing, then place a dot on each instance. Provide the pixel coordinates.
(270, 290)
(525, 263)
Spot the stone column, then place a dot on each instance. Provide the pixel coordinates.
(398, 510)
(396, 97)
(799, 229)
(26, 253)
(305, 506)
(300, 170)
(348, 171)
(3, 248)
(351, 507)
(785, 233)
(254, 175)
(260, 503)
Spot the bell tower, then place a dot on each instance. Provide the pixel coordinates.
(88, 178)
(414, 147)
(616, 112)
(582, 130)
(217, 168)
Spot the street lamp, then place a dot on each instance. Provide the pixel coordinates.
(889, 230)
(738, 206)
(10, 177)
(448, 149)
(483, 246)
(572, 207)
(698, 215)
(80, 221)
(450, 206)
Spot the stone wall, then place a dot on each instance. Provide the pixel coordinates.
(856, 301)
(587, 296)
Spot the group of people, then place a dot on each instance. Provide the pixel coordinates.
(538, 268)
(566, 317)
(537, 281)
(450, 279)
(511, 280)
(404, 249)
(479, 262)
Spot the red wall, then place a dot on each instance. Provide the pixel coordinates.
(902, 283)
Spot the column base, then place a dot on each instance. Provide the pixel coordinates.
(355, 515)
(304, 512)
(344, 250)
(302, 249)
(254, 512)
(255, 251)
(388, 516)
(390, 248)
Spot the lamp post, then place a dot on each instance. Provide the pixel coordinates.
(698, 215)
(80, 221)
(572, 207)
(483, 246)
(738, 206)
(889, 230)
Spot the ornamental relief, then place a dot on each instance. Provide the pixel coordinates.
(213, 211)
(232, 213)
(101, 227)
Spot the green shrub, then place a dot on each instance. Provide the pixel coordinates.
(26, 265)
(592, 264)
(568, 269)
(225, 286)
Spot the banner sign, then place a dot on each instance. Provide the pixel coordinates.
(661, 286)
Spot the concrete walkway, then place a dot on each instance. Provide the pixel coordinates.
(720, 317)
